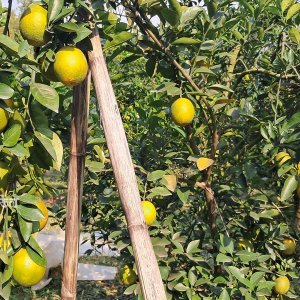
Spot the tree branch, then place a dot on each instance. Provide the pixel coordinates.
(6, 28)
(255, 70)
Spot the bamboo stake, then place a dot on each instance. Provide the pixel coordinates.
(81, 96)
(149, 274)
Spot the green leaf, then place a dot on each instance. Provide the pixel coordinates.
(224, 295)
(293, 10)
(130, 289)
(289, 187)
(220, 87)
(25, 228)
(222, 258)
(246, 256)
(227, 243)
(118, 39)
(47, 143)
(156, 175)
(36, 253)
(23, 49)
(292, 122)
(193, 247)
(189, 14)
(246, 4)
(186, 41)
(257, 277)
(19, 150)
(54, 8)
(159, 191)
(150, 66)
(81, 34)
(239, 276)
(170, 16)
(5, 291)
(294, 35)
(192, 276)
(59, 151)
(180, 287)
(12, 135)
(68, 27)
(8, 271)
(27, 198)
(204, 70)
(6, 91)
(66, 11)
(175, 6)
(3, 256)
(183, 196)
(45, 95)
(94, 166)
(8, 44)
(35, 246)
(285, 4)
(29, 213)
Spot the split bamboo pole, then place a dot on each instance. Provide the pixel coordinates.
(81, 97)
(148, 271)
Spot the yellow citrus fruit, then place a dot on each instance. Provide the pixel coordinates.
(290, 246)
(5, 241)
(247, 77)
(149, 212)
(48, 73)
(244, 244)
(182, 111)
(33, 25)
(26, 272)
(70, 66)
(4, 170)
(129, 277)
(282, 285)
(4, 116)
(42, 207)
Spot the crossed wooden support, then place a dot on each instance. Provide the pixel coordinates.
(148, 271)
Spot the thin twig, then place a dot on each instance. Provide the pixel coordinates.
(6, 28)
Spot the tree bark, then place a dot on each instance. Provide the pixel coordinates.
(148, 271)
(81, 97)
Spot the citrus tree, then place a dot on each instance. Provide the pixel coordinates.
(208, 93)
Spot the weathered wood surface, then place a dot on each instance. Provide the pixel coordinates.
(148, 271)
(81, 96)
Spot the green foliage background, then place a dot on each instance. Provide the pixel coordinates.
(245, 61)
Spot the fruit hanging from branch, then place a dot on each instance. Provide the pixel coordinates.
(70, 66)
(149, 212)
(33, 25)
(183, 111)
(27, 272)
(282, 285)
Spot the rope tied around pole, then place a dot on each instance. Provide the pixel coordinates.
(141, 226)
(78, 154)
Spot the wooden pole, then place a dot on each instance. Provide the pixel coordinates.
(148, 271)
(81, 97)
